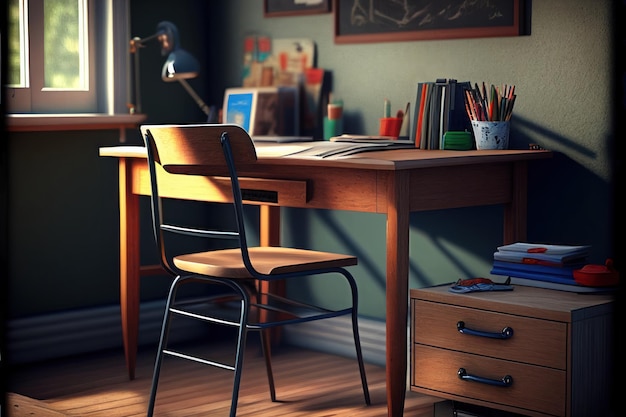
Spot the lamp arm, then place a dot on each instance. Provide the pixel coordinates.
(195, 96)
(137, 42)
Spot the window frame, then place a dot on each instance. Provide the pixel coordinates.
(109, 28)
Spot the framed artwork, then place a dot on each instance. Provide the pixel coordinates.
(408, 20)
(273, 8)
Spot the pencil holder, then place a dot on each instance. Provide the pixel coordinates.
(491, 135)
(390, 126)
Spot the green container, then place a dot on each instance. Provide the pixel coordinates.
(458, 141)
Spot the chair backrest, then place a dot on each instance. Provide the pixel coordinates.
(199, 149)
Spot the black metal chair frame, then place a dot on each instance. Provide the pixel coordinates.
(245, 295)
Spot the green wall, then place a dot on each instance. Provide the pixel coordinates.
(562, 73)
(62, 196)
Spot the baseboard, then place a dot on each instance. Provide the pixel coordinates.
(81, 331)
(77, 332)
(335, 336)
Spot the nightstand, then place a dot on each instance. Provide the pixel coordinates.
(531, 351)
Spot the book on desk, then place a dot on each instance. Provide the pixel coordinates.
(439, 108)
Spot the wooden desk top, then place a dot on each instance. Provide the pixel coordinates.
(398, 159)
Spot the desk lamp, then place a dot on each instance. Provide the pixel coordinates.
(179, 66)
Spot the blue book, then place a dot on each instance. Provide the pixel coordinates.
(558, 279)
(565, 271)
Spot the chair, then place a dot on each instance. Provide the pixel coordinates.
(245, 272)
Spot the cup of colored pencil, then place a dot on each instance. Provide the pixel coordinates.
(490, 104)
(490, 111)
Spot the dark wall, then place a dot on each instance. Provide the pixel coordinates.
(168, 102)
(62, 201)
(618, 148)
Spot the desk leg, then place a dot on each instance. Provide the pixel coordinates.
(270, 236)
(270, 225)
(515, 213)
(129, 264)
(397, 291)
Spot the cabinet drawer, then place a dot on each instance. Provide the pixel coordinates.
(540, 389)
(534, 341)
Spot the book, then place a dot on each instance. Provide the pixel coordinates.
(424, 115)
(540, 276)
(439, 108)
(446, 104)
(521, 252)
(420, 101)
(547, 249)
(435, 114)
(511, 268)
(537, 259)
(558, 286)
(536, 276)
(457, 118)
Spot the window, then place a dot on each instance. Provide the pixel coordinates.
(61, 56)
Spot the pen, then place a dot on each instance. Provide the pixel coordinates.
(387, 108)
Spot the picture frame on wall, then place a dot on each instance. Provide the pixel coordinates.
(357, 21)
(272, 8)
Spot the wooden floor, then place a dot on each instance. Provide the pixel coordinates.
(308, 384)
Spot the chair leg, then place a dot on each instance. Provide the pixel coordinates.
(162, 343)
(267, 354)
(359, 356)
(241, 347)
(357, 339)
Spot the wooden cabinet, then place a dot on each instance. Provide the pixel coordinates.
(531, 351)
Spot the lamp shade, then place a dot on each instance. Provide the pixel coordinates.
(180, 64)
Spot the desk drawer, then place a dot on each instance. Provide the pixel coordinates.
(534, 341)
(536, 388)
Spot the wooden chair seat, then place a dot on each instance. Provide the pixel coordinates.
(228, 263)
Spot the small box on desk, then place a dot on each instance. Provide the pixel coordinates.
(263, 111)
(458, 140)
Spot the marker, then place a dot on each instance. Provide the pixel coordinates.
(387, 108)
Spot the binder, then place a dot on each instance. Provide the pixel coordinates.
(439, 108)
(457, 118)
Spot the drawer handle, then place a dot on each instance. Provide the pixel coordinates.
(506, 380)
(506, 333)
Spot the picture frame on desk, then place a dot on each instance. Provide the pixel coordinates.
(263, 111)
(274, 8)
(360, 21)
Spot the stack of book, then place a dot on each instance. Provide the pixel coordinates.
(549, 266)
(440, 108)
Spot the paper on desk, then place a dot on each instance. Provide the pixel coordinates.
(367, 139)
(323, 149)
(272, 150)
(333, 150)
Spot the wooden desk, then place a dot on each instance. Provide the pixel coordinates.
(394, 183)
